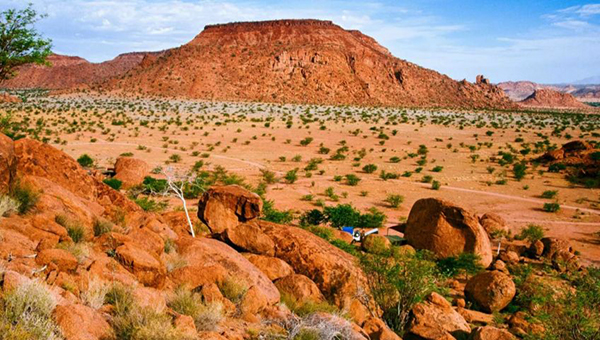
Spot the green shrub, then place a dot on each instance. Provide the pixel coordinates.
(312, 217)
(370, 168)
(352, 180)
(342, 215)
(372, 219)
(85, 161)
(291, 176)
(148, 204)
(437, 168)
(397, 282)
(394, 200)
(551, 207)
(276, 216)
(531, 233)
(426, 179)
(465, 264)
(519, 170)
(113, 183)
(436, 185)
(549, 194)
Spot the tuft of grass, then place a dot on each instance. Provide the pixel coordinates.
(233, 289)
(102, 226)
(26, 313)
(25, 196)
(206, 315)
(95, 294)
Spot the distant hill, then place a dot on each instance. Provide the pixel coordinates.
(520, 90)
(588, 81)
(68, 71)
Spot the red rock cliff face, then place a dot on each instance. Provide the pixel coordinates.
(300, 61)
(67, 72)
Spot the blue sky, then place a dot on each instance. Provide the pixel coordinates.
(541, 40)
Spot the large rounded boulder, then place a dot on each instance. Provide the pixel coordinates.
(223, 207)
(491, 291)
(131, 171)
(447, 230)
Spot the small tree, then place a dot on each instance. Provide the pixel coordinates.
(176, 184)
(20, 43)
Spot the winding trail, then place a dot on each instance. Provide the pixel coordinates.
(445, 187)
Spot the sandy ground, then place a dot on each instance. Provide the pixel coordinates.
(256, 146)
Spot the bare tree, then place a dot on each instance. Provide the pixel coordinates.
(176, 184)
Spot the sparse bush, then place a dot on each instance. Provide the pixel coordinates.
(370, 168)
(551, 207)
(85, 161)
(276, 216)
(113, 183)
(531, 233)
(397, 282)
(465, 263)
(436, 185)
(312, 217)
(291, 176)
(352, 180)
(549, 194)
(519, 170)
(394, 200)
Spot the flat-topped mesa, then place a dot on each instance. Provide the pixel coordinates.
(271, 23)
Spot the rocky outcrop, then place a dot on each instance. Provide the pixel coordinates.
(131, 171)
(491, 291)
(436, 319)
(203, 252)
(273, 267)
(300, 61)
(299, 287)
(223, 207)
(447, 230)
(79, 322)
(492, 333)
(494, 224)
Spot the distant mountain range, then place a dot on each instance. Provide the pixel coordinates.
(520, 90)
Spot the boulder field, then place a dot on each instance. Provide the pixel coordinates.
(81, 234)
